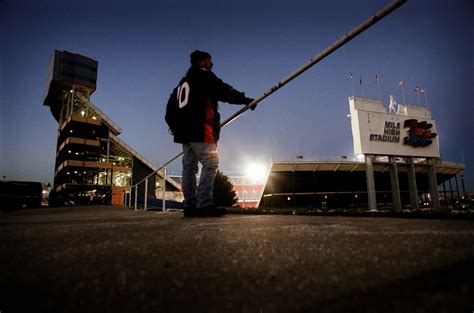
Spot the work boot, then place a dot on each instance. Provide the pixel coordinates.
(194, 212)
(214, 211)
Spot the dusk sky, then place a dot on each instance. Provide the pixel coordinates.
(143, 50)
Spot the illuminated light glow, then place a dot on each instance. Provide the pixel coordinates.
(256, 172)
(93, 117)
(83, 113)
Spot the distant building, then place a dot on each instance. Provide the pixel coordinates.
(93, 165)
(248, 191)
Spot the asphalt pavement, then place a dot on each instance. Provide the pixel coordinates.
(113, 259)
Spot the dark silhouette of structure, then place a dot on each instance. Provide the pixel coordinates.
(93, 165)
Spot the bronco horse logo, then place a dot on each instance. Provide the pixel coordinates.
(419, 133)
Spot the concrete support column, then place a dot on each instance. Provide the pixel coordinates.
(70, 99)
(293, 187)
(87, 103)
(457, 186)
(70, 106)
(445, 195)
(451, 190)
(463, 186)
(396, 199)
(146, 195)
(61, 118)
(164, 189)
(412, 184)
(433, 182)
(369, 174)
(108, 150)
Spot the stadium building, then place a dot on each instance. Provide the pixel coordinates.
(93, 165)
(248, 191)
(398, 165)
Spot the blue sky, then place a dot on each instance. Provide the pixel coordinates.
(143, 50)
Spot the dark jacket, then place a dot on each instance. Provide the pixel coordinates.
(192, 110)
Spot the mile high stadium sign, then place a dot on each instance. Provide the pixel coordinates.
(409, 132)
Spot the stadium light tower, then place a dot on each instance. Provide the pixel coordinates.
(256, 172)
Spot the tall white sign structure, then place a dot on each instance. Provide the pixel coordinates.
(407, 132)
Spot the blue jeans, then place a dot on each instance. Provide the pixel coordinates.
(206, 154)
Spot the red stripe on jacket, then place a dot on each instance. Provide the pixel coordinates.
(209, 123)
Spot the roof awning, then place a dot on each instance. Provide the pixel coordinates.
(352, 166)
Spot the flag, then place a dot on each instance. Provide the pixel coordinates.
(360, 80)
(422, 90)
(299, 157)
(400, 83)
(349, 77)
(417, 89)
(376, 81)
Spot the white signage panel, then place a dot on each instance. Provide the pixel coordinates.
(376, 132)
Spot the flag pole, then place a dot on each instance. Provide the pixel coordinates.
(400, 83)
(350, 77)
(417, 91)
(361, 86)
(353, 87)
(377, 83)
(426, 99)
(389, 8)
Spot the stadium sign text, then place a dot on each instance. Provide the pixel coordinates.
(391, 133)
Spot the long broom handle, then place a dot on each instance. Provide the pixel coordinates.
(389, 8)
